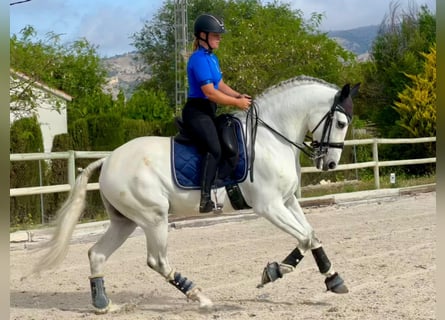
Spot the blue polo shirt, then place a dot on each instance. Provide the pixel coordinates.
(202, 68)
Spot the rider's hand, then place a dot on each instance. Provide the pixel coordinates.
(244, 103)
(244, 95)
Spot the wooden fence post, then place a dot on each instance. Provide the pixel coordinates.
(71, 168)
(375, 157)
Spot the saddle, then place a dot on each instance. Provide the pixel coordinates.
(187, 157)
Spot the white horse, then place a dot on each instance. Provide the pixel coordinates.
(137, 187)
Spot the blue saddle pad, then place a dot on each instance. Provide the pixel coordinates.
(186, 163)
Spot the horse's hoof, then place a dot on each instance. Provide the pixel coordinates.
(206, 306)
(340, 289)
(271, 273)
(195, 294)
(336, 284)
(100, 311)
(99, 297)
(110, 307)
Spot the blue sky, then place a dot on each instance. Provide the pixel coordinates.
(109, 24)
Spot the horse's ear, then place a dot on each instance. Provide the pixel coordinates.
(354, 90)
(345, 92)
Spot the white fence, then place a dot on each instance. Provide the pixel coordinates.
(71, 157)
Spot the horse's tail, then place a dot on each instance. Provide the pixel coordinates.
(67, 217)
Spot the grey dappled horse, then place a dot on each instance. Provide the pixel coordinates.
(137, 188)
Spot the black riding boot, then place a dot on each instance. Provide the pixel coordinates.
(208, 174)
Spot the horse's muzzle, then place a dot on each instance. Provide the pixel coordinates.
(325, 166)
(332, 165)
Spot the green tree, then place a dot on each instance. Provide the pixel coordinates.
(153, 107)
(25, 137)
(264, 45)
(94, 104)
(147, 104)
(134, 128)
(106, 131)
(58, 174)
(397, 50)
(74, 68)
(417, 103)
(270, 43)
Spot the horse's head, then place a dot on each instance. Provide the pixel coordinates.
(329, 133)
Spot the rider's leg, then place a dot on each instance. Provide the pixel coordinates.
(200, 122)
(208, 174)
(209, 169)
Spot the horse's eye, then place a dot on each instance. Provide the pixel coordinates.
(341, 124)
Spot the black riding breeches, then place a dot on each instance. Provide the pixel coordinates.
(198, 116)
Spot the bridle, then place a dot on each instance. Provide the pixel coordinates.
(320, 149)
(314, 150)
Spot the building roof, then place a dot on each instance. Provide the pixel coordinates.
(42, 86)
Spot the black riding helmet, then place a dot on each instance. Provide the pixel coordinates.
(208, 23)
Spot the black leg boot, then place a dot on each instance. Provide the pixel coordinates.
(206, 204)
(208, 174)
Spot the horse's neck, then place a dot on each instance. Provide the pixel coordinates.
(288, 110)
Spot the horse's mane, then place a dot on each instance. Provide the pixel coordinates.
(296, 81)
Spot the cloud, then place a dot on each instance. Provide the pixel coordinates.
(106, 24)
(111, 27)
(44, 15)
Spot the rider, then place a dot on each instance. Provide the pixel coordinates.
(206, 90)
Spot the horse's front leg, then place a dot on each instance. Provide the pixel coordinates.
(275, 270)
(291, 219)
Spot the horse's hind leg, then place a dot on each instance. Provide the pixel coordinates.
(156, 236)
(119, 230)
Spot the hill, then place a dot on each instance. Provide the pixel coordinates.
(125, 72)
(357, 40)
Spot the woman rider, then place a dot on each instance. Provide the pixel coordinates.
(206, 90)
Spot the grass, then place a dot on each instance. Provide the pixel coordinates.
(363, 185)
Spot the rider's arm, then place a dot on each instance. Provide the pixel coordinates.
(223, 97)
(222, 86)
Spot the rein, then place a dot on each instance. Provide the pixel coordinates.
(314, 151)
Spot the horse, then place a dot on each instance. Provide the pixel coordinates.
(137, 187)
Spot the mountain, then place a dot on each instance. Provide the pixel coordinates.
(127, 70)
(124, 72)
(357, 40)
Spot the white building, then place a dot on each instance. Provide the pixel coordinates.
(50, 106)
